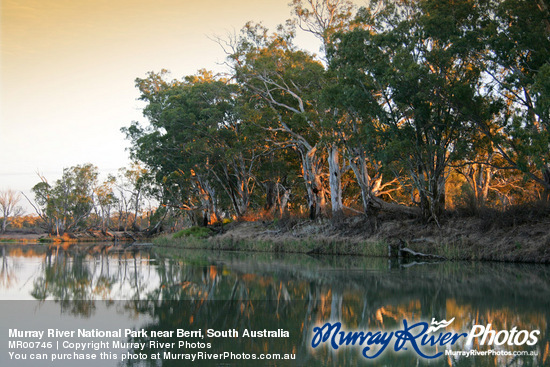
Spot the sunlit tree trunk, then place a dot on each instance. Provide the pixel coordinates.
(284, 202)
(335, 180)
(207, 195)
(311, 170)
(243, 189)
(358, 164)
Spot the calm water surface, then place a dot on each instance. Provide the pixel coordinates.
(156, 289)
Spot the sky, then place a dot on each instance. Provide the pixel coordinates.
(68, 69)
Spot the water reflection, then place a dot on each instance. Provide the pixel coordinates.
(206, 290)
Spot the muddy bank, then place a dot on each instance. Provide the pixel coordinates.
(456, 239)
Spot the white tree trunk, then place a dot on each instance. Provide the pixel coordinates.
(311, 169)
(284, 202)
(335, 179)
(359, 168)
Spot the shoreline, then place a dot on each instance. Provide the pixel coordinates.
(468, 239)
(459, 238)
(78, 237)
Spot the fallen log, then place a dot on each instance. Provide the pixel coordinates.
(413, 253)
(401, 252)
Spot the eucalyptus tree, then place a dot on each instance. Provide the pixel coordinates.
(195, 143)
(290, 81)
(516, 62)
(129, 189)
(323, 18)
(287, 82)
(411, 72)
(8, 207)
(239, 151)
(105, 201)
(355, 93)
(65, 205)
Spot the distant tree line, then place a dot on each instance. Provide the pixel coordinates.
(430, 104)
(9, 208)
(79, 201)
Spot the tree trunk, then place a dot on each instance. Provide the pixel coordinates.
(136, 210)
(284, 202)
(488, 175)
(335, 180)
(441, 194)
(243, 197)
(359, 167)
(434, 198)
(546, 178)
(311, 169)
(270, 195)
(207, 196)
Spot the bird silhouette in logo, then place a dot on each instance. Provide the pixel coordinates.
(439, 325)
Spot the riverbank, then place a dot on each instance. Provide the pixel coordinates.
(458, 238)
(31, 237)
(509, 237)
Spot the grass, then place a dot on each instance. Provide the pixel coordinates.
(196, 240)
(457, 249)
(194, 232)
(453, 251)
(458, 238)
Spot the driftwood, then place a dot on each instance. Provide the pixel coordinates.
(410, 252)
(401, 252)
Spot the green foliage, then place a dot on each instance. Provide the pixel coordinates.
(405, 94)
(197, 143)
(517, 39)
(195, 232)
(65, 205)
(411, 81)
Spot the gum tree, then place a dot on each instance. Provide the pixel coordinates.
(323, 18)
(287, 82)
(411, 72)
(8, 206)
(516, 63)
(65, 205)
(195, 143)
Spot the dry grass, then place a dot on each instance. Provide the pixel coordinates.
(518, 235)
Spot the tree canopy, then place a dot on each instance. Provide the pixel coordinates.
(405, 100)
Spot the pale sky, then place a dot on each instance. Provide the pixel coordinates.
(68, 69)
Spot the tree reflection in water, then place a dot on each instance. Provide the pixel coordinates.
(221, 291)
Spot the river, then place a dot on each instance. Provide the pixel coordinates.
(142, 291)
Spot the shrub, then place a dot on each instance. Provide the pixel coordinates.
(196, 232)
